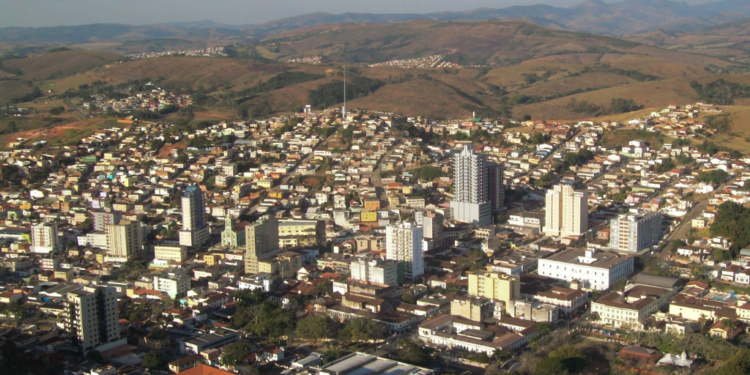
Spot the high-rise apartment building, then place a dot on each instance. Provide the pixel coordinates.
(124, 239)
(494, 285)
(567, 211)
(496, 185)
(261, 242)
(90, 316)
(432, 224)
(194, 230)
(44, 237)
(471, 201)
(404, 244)
(101, 219)
(636, 230)
(370, 269)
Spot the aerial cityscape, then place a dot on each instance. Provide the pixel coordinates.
(528, 190)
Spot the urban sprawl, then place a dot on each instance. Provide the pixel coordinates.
(330, 242)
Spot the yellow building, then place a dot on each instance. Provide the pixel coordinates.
(372, 204)
(368, 216)
(212, 259)
(266, 183)
(284, 265)
(497, 286)
(66, 275)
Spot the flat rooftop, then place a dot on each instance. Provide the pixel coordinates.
(366, 364)
(600, 259)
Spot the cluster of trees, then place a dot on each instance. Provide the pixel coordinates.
(56, 110)
(9, 128)
(427, 173)
(665, 166)
(720, 91)
(10, 175)
(566, 360)
(265, 318)
(332, 93)
(716, 177)
(30, 97)
(617, 106)
(539, 138)
(199, 142)
(578, 158)
(732, 222)
(738, 364)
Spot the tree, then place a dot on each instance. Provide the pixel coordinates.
(572, 358)
(134, 317)
(314, 328)
(152, 360)
(550, 366)
(409, 297)
(234, 354)
(738, 364)
(728, 324)
(362, 330)
(413, 353)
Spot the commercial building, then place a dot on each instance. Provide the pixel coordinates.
(404, 244)
(123, 240)
(566, 211)
(261, 242)
(282, 265)
(475, 309)
(90, 316)
(495, 286)
(636, 230)
(174, 253)
(593, 270)
(215, 338)
(44, 237)
(293, 233)
(175, 283)
(566, 299)
(370, 269)
(471, 202)
(194, 230)
(361, 363)
(632, 307)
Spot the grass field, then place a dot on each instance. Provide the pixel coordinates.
(55, 130)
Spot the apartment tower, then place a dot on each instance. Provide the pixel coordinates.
(404, 244)
(566, 211)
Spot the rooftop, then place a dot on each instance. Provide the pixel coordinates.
(366, 364)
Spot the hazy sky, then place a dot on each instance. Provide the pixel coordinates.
(37, 13)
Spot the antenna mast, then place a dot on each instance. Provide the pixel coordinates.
(343, 109)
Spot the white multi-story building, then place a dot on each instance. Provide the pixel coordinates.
(44, 237)
(90, 316)
(374, 270)
(471, 186)
(123, 240)
(175, 283)
(634, 231)
(404, 244)
(593, 270)
(194, 230)
(174, 253)
(213, 339)
(567, 211)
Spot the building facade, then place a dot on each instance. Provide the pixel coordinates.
(636, 230)
(194, 230)
(566, 211)
(471, 202)
(404, 244)
(90, 316)
(594, 270)
(375, 270)
(123, 240)
(174, 253)
(44, 238)
(261, 242)
(495, 286)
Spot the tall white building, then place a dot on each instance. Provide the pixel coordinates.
(44, 237)
(404, 244)
(567, 211)
(374, 270)
(124, 239)
(175, 283)
(635, 230)
(90, 316)
(194, 230)
(593, 270)
(471, 202)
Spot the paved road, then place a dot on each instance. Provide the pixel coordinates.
(377, 182)
(75, 107)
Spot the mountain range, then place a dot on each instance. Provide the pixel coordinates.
(592, 16)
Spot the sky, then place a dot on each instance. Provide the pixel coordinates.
(41, 13)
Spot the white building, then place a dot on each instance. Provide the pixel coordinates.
(90, 316)
(594, 270)
(374, 270)
(44, 237)
(175, 283)
(566, 211)
(471, 202)
(123, 240)
(635, 231)
(404, 244)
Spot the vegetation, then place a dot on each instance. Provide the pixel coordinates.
(234, 354)
(617, 106)
(314, 328)
(716, 177)
(332, 93)
(566, 360)
(720, 91)
(732, 222)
